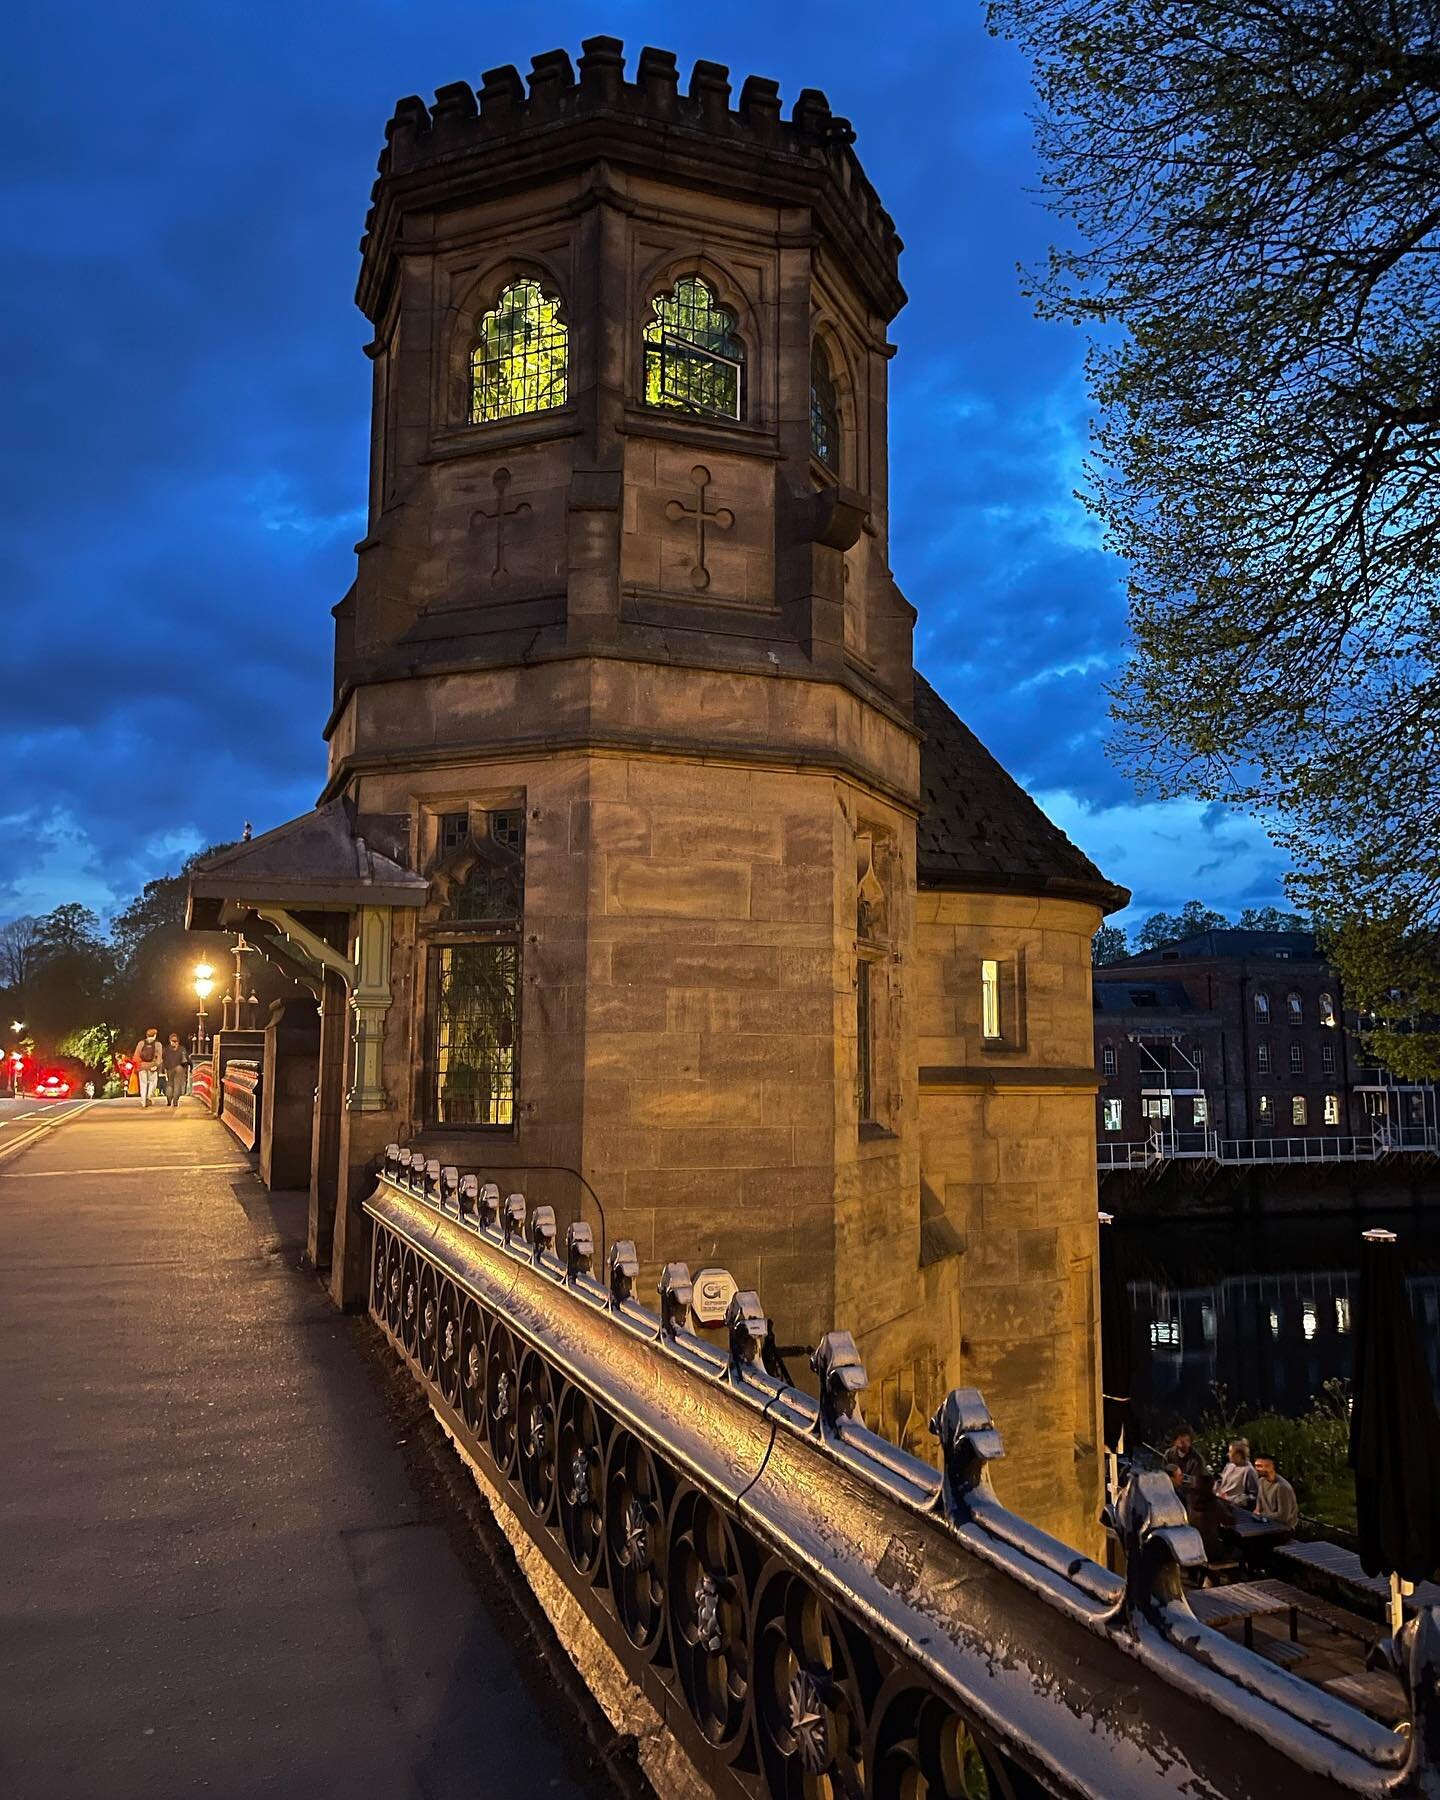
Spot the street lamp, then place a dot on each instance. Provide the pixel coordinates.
(204, 987)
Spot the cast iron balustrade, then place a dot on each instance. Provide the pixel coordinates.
(240, 1100)
(810, 1609)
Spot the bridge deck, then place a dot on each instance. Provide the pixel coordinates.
(219, 1577)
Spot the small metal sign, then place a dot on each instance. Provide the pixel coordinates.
(712, 1292)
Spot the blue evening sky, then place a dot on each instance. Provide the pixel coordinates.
(186, 409)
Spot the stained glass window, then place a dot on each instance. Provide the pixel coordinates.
(520, 363)
(824, 410)
(475, 1017)
(692, 360)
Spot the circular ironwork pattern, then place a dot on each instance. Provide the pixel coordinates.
(472, 1366)
(810, 1676)
(635, 1505)
(921, 1747)
(708, 1603)
(502, 1400)
(538, 1434)
(579, 1458)
(428, 1330)
(447, 1344)
(379, 1251)
(410, 1302)
(394, 1279)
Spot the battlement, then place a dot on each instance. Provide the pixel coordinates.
(463, 121)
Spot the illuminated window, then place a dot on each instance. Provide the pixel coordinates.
(1297, 1059)
(1114, 1114)
(1266, 1110)
(1107, 1059)
(1207, 1322)
(1308, 1320)
(990, 1000)
(1327, 1010)
(1299, 1111)
(1342, 1313)
(692, 359)
(1274, 1321)
(474, 970)
(824, 410)
(1262, 1006)
(1202, 1110)
(1262, 1058)
(1165, 1334)
(1295, 1009)
(1156, 1106)
(1327, 1058)
(1332, 1109)
(520, 363)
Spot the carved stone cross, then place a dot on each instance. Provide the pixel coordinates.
(720, 516)
(500, 514)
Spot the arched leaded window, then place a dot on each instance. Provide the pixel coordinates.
(824, 410)
(521, 360)
(693, 360)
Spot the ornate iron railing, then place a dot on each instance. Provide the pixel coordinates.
(240, 1101)
(810, 1609)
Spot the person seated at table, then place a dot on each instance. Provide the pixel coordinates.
(1275, 1498)
(1238, 1482)
(1209, 1514)
(1182, 1456)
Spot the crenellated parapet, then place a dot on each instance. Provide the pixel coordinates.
(490, 138)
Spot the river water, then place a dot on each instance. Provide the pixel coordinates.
(1262, 1309)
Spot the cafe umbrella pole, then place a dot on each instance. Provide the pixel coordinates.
(1394, 1430)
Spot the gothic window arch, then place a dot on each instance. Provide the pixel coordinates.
(824, 409)
(520, 359)
(693, 360)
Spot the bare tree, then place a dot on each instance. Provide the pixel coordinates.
(20, 951)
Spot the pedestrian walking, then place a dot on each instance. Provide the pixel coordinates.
(149, 1060)
(1237, 1482)
(1276, 1497)
(174, 1070)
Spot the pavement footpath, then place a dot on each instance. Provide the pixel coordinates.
(219, 1574)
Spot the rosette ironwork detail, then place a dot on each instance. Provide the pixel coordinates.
(635, 1509)
(502, 1399)
(537, 1435)
(472, 1365)
(428, 1324)
(447, 1335)
(708, 1600)
(811, 1675)
(920, 1745)
(394, 1281)
(410, 1303)
(579, 1474)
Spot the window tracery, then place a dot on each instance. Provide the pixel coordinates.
(693, 360)
(824, 410)
(521, 360)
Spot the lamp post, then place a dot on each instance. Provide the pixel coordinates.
(204, 987)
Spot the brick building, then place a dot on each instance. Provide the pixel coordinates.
(1244, 1035)
(648, 875)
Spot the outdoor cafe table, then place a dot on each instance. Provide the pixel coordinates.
(1240, 1600)
(1254, 1532)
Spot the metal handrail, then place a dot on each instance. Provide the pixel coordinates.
(895, 1550)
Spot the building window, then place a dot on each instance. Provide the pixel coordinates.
(1107, 1059)
(520, 363)
(692, 359)
(1266, 1110)
(1202, 1110)
(454, 829)
(864, 1046)
(1114, 1111)
(1327, 1010)
(1262, 1006)
(824, 410)
(1197, 1057)
(990, 1001)
(1297, 1059)
(1299, 1111)
(474, 972)
(1295, 1009)
(1156, 1106)
(1332, 1109)
(1327, 1059)
(1262, 1058)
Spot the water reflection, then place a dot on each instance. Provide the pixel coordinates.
(1264, 1311)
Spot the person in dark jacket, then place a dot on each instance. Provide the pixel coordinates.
(1184, 1457)
(174, 1070)
(1209, 1514)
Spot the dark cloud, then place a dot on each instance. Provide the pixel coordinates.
(186, 403)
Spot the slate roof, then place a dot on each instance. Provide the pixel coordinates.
(980, 829)
(1253, 946)
(316, 860)
(1141, 996)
